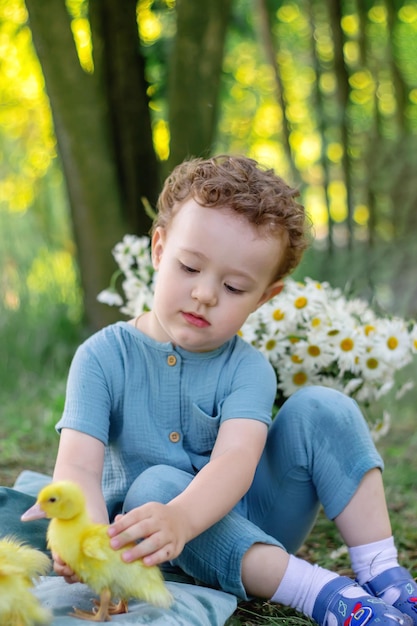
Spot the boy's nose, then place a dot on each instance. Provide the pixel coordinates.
(205, 293)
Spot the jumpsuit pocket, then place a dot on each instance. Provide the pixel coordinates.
(201, 435)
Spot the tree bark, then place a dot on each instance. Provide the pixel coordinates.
(122, 70)
(195, 74)
(343, 90)
(266, 19)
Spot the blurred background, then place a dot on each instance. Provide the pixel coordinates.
(100, 100)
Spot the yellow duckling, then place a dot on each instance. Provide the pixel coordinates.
(20, 565)
(85, 547)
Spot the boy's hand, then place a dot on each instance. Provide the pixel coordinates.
(62, 569)
(160, 528)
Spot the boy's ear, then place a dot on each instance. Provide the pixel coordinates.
(273, 290)
(158, 241)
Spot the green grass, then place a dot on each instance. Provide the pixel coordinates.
(37, 346)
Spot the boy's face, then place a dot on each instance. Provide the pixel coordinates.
(214, 269)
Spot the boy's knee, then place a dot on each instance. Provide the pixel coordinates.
(159, 483)
(320, 407)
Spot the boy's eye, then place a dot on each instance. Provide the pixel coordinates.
(187, 268)
(233, 289)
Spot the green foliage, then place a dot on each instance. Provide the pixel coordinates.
(40, 326)
(329, 100)
(26, 135)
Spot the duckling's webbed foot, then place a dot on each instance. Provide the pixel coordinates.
(118, 608)
(102, 611)
(96, 615)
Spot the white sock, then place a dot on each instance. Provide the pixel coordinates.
(301, 584)
(371, 559)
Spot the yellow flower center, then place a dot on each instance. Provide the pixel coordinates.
(316, 321)
(299, 379)
(296, 359)
(369, 329)
(278, 315)
(300, 302)
(392, 343)
(314, 350)
(270, 344)
(333, 332)
(372, 363)
(239, 332)
(347, 344)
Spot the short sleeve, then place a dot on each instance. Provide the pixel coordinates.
(253, 390)
(88, 396)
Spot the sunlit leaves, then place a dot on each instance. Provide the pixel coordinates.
(53, 271)
(250, 119)
(301, 114)
(80, 26)
(26, 135)
(149, 23)
(82, 36)
(337, 194)
(156, 29)
(161, 139)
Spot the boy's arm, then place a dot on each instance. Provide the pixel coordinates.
(226, 478)
(80, 458)
(213, 492)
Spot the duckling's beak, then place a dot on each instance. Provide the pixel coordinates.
(35, 512)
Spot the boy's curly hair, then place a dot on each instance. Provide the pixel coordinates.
(239, 183)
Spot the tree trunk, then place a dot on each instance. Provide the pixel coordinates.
(81, 121)
(194, 78)
(271, 46)
(343, 89)
(122, 70)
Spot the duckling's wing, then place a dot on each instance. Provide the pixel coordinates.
(96, 544)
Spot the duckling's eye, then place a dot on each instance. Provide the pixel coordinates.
(53, 499)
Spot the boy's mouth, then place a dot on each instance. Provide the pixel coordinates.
(195, 320)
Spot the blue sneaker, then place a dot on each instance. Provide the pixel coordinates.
(399, 589)
(332, 608)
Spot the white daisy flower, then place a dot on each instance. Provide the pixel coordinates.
(391, 339)
(110, 297)
(249, 333)
(140, 302)
(372, 367)
(381, 427)
(271, 347)
(349, 347)
(312, 352)
(302, 300)
(292, 379)
(277, 316)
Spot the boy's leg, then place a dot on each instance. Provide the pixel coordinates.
(330, 599)
(320, 451)
(214, 557)
(372, 549)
